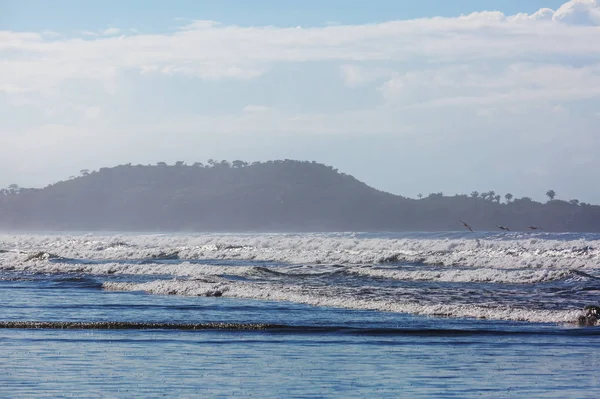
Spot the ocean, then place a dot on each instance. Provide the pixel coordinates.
(331, 315)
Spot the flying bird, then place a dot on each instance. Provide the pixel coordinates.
(467, 226)
(503, 228)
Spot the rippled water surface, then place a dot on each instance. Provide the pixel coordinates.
(288, 315)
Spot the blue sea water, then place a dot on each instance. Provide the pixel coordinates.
(337, 315)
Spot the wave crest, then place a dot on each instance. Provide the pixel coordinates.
(300, 295)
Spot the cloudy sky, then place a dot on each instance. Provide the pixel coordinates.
(410, 97)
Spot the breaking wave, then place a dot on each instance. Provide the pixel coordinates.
(520, 277)
(198, 270)
(495, 251)
(299, 294)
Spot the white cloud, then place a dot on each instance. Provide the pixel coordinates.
(579, 12)
(353, 75)
(50, 34)
(543, 14)
(210, 50)
(429, 84)
(205, 71)
(465, 85)
(111, 31)
(356, 76)
(105, 32)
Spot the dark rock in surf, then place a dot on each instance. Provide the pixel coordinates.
(395, 258)
(591, 316)
(166, 256)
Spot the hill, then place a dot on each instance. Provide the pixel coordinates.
(271, 196)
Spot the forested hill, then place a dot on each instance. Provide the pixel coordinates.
(271, 196)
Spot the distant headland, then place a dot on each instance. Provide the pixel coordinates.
(273, 196)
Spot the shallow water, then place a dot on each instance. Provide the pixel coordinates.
(342, 315)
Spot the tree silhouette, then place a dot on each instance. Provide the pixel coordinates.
(474, 194)
(419, 195)
(508, 197)
(574, 201)
(497, 198)
(84, 172)
(550, 194)
(239, 164)
(13, 189)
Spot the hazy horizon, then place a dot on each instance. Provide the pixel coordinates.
(409, 98)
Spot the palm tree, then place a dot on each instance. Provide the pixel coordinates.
(419, 195)
(474, 194)
(550, 194)
(508, 197)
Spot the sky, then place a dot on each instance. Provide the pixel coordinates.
(409, 97)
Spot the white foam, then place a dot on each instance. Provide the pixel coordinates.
(492, 252)
(299, 294)
(184, 269)
(188, 269)
(522, 259)
(474, 275)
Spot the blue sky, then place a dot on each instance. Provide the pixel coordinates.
(158, 15)
(410, 97)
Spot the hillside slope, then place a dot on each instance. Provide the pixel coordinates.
(272, 196)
